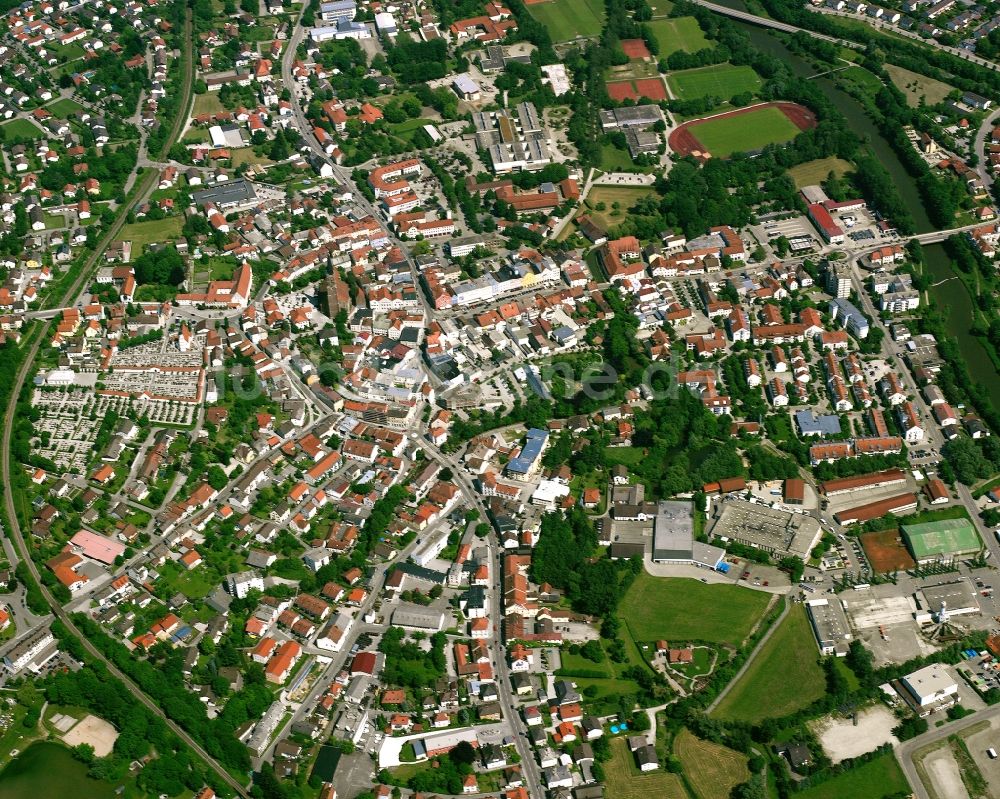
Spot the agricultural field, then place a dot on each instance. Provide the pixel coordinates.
(680, 610)
(814, 172)
(916, 86)
(873, 780)
(783, 677)
(625, 781)
(152, 231)
(678, 33)
(712, 770)
(568, 19)
(719, 80)
(746, 132)
(626, 197)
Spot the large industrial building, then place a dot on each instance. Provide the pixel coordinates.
(928, 689)
(673, 537)
(774, 531)
(830, 626)
(941, 541)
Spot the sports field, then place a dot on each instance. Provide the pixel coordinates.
(677, 33)
(650, 89)
(784, 676)
(712, 770)
(678, 610)
(567, 19)
(719, 80)
(886, 551)
(747, 132)
(875, 779)
(623, 780)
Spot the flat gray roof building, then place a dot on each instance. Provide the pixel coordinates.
(830, 626)
(772, 530)
(227, 195)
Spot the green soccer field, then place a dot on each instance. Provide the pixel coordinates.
(720, 80)
(677, 33)
(744, 132)
(567, 19)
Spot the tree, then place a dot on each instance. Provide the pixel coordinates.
(165, 267)
(216, 477)
(751, 789)
(463, 754)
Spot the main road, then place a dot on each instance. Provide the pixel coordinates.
(34, 340)
(773, 24)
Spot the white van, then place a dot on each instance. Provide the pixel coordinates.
(992, 753)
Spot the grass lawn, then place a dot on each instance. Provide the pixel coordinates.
(194, 584)
(610, 685)
(406, 129)
(745, 132)
(712, 770)
(914, 86)
(63, 108)
(615, 160)
(151, 231)
(784, 676)
(627, 456)
(861, 78)
(567, 19)
(813, 172)
(625, 781)
(195, 136)
(678, 33)
(207, 103)
(54, 221)
(246, 155)
(21, 129)
(679, 610)
(698, 666)
(873, 780)
(218, 268)
(720, 80)
(626, 197)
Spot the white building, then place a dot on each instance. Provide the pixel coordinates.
(930, 688)
(239, 585)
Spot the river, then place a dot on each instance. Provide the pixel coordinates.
(950, 292)
(46, 770)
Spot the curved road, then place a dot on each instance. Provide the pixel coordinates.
(905, 751)
(34, 341)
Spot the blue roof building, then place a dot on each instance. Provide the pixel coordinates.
(527, 463)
